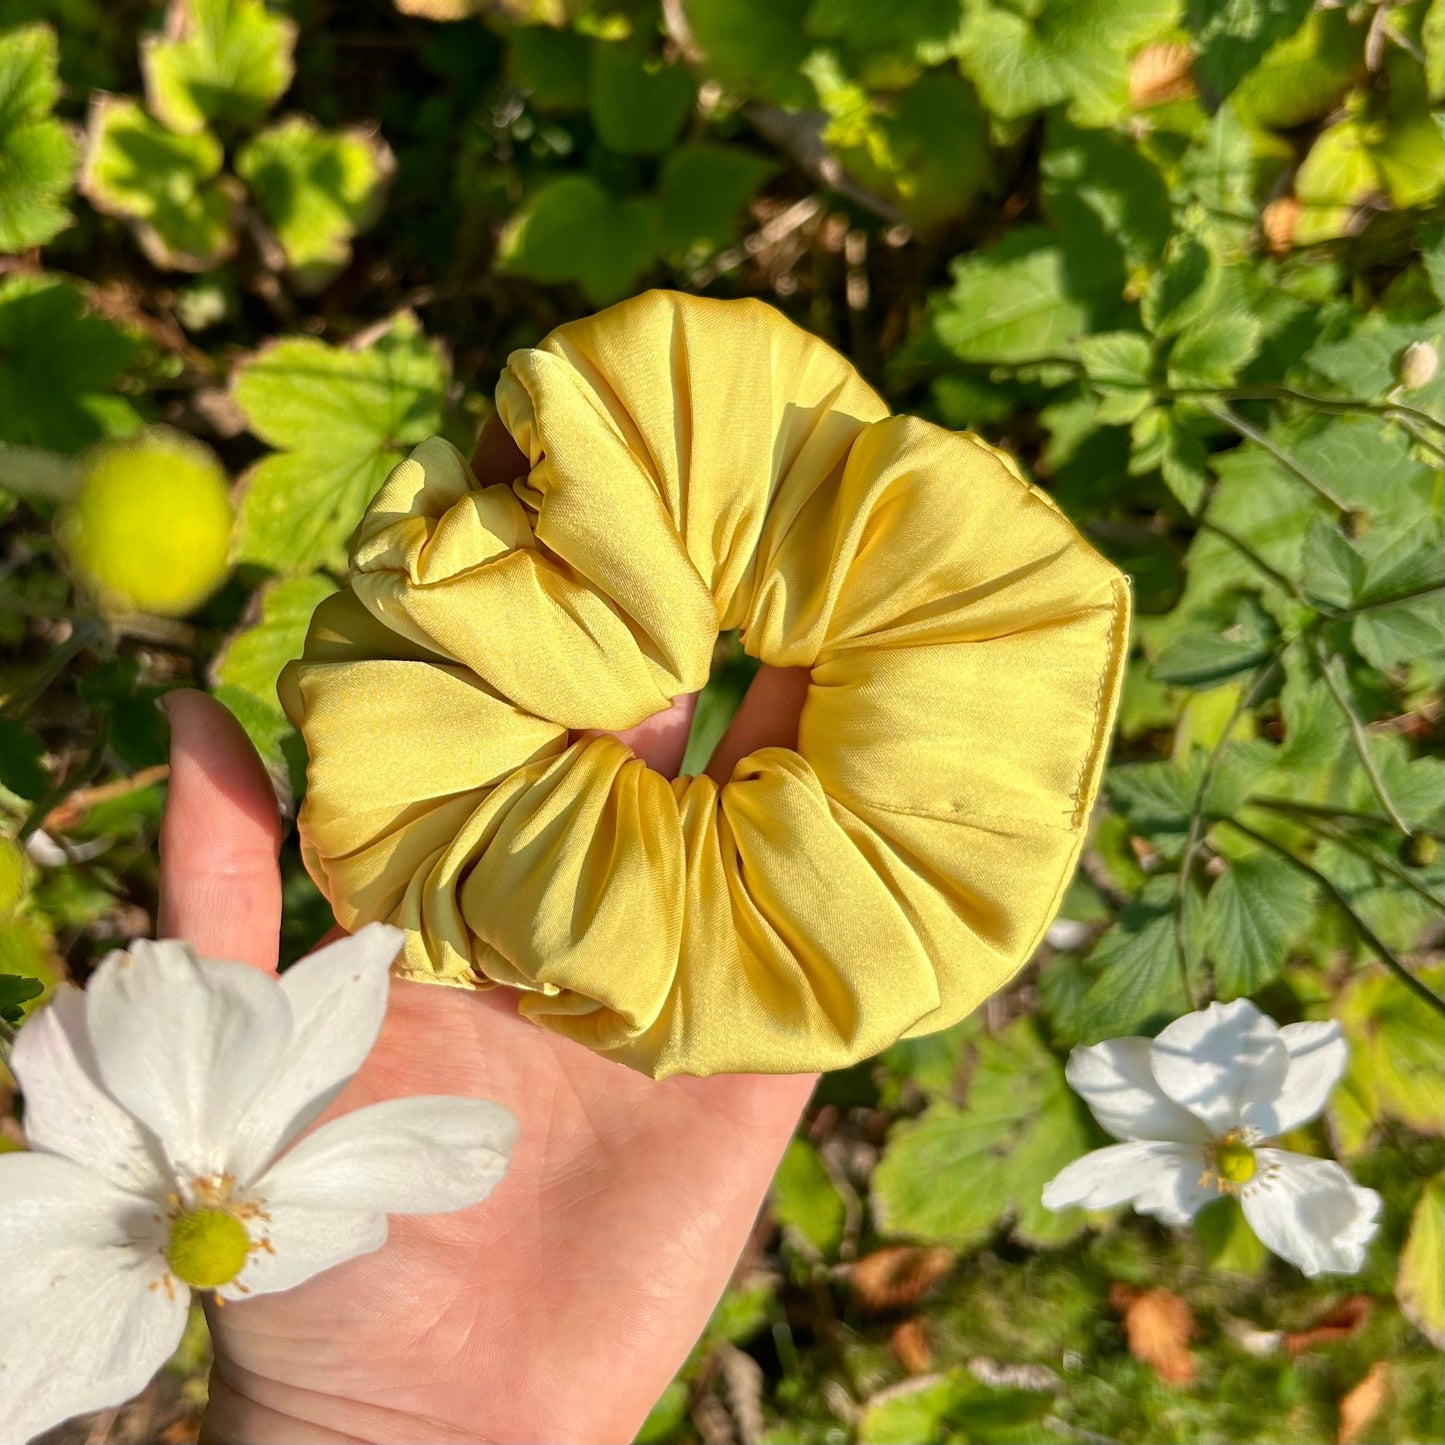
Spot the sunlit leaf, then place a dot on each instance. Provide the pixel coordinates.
(1420, 1284)
(805, 1200)
(59, 366)
(340, 419)
(225, 62)
(574, 230)
(168, 186)
(1065, 51)
(702, 194)
(316, 189)
(1254, 913)
(37, 153)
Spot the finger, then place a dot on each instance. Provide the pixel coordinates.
(767, 718)
(220, 882)
(660, 740)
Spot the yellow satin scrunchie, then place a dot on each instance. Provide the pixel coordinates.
(696, 466)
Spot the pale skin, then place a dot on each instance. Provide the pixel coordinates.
(556, 1310)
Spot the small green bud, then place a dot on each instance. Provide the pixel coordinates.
(208, 1248)
(150, 530)
(1419, 850)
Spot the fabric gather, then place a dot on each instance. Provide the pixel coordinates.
(697, 466)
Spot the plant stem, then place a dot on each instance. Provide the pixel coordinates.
(1378, 861)
(1367, 935)
(1288, 584)
(1232, 419)
(1327, 810)
(1380, 603)
(1358, 735)
(1195, 836)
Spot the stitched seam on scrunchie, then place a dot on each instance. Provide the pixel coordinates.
(1103, 711)
(846, 797)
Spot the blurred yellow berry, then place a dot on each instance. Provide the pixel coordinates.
(14, 878)
(150, 530)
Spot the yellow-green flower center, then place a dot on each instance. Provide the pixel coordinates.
(208, 1248)
(1234, 1162)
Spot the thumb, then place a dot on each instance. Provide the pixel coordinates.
(220, 881)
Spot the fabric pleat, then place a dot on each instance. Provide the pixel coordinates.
(696, 466)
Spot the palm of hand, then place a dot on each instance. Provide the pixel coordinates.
(559, 1308)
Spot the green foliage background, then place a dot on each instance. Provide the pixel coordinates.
(1183, 257)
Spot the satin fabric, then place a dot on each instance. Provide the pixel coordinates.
(695, 466)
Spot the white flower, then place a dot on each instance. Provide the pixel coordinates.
(1196, 1107)
(161, 1106)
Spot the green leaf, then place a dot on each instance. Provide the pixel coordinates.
(341, 418)
(168, 186)
(1160, 438)
(1029, 296)
(639, 102)
(1099, 183)
(1304, 75)
(1134, 972)
(15, 992)
(552, 67)
(1253, 916)
(573, 230)
(1074, 51)
(1182, 288)
(1214, 350)
(926, 148)
(1420, 1284)
(1233, 36)
(250, 661)
(805, 1200)
(1228, 1241)
(59, 367)
(316, 189)
(955, 1406)
(223, 61)
(1361, 356)
(22, 761)
(1118, 364)
(1397, 1051)
(702, 191)
(951, 1175)
(1204, 658)
(1333, 569)
(925, 31)
(37, 153)
(755, 47)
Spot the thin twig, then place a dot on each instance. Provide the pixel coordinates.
(1328, 810)
(1250, 555)
(1232, 419)
(1417, 432)
(1358, 735)
(1367, 935)
(1342, 838)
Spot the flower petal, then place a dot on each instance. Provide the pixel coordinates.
(67, 1110)
(1220, 1060)
(1310, 1212)
(425, 1155)
(1317, 1057)
(1161, 1179)
(338, 1000)
(186, 1045)
(303, 1243)
(81, 1328)
(1115, 1080)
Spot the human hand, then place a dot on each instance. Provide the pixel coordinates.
(560, 1307)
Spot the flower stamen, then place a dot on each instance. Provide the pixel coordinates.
(1230, 1163)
